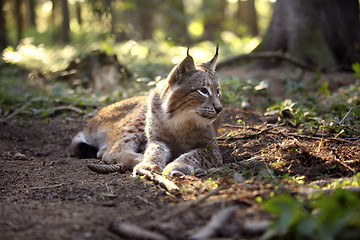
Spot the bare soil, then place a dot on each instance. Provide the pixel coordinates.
(47, 194)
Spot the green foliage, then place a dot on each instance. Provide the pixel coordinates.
(326, 217)
(235, 91)
(356, 69)
(318, 111)
(22, 97)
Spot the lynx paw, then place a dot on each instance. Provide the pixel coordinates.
(109, 158)
(176, 169)
(146, 166)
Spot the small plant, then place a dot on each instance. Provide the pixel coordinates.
(236, 91)
(356, 69)
(325, 217)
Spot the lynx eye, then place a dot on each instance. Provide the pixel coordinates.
(203, 91)
(218, 92)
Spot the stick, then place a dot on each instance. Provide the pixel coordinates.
(59, 108)
(256, 227)
(45, 187)
(296, 142)
(260, 132)
(71, 108)
(17, 111)
(346, 115)
(160, 180)
(127, 230)
(216, 222)
(186, 207)
(268, 169)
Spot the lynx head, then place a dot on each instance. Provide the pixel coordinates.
(193, 92)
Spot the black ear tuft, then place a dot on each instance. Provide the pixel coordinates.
(211, 64)
(186, 66)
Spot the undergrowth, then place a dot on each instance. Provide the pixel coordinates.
(324, 217)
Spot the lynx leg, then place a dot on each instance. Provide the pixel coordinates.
(124, 153)
(155, 157)
(190, 163)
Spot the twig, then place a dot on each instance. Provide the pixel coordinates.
(260, 132)
(264, 55)
(127, 230)
(45, 187)
(186, 207)
(296, 142)
(55, 109)
(347, 114)
(217, 221)
(256, 227)
(307, 191)
(17, 111)
(344, 165)
(346, 126)
(71, 108)
(268, 169)
(106, 169)
(160, 180)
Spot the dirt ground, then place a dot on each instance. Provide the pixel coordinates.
(47, 194)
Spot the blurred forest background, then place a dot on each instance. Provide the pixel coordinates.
(99, 46)
(178, 22)
(324, 33)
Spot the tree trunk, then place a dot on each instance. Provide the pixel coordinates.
(323, 33)
(214, 18)
(176, 22)
(31, 13)
(145, 22)
(246, 13)
(3, 36)
(66, 22)
(78, 13)
(19, 19)
(53, 21)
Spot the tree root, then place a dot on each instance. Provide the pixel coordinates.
(127, 230)
(217, 221)
(265, 56)
(184, 208)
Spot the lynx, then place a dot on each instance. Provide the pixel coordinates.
(172, 131)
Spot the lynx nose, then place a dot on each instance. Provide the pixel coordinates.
(218, 109)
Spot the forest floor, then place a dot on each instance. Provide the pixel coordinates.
(47, 194)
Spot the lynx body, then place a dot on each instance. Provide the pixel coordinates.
(171, 131)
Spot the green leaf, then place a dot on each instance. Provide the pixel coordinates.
(287, 210)
(324, 89)
(356, 68)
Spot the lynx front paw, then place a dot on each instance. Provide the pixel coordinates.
(146, 166)
(176, 169)
(109, 158)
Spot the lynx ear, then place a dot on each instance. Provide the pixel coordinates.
(178, 72)
(211, 64)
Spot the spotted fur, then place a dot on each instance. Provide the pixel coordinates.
(171, 131)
